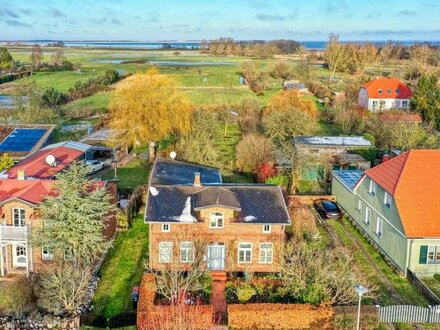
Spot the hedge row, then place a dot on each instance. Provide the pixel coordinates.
(169, 317)
(279, 316)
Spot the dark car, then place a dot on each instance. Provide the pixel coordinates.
(328, 209)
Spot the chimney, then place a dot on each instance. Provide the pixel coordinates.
(385, 158)
(197, 180)
(21, 175)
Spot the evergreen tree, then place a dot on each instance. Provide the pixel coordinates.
(5, 58)
(426, 99)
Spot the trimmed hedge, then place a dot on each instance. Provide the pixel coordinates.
(279, 316)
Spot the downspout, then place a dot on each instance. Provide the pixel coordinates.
(408, 253)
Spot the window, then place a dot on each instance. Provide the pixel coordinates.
(387, 199)
(388, 91)
(380, 91)
(165, 252)
(379, 226)
(19, 217)
(434, 254)
(374, 104)
(266, 229)
(397, 91)
(68, 254)
(46, 253)
(266, 253)
(367, 216)
(373, 188)
(404, 104)
(244, 253)
(216, 220)
(359, 206)
(166, 227)
(186, 252)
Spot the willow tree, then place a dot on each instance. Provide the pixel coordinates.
(149, 107)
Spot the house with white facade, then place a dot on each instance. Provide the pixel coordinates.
(384, 94)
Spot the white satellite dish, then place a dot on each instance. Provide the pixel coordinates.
(51, 160)
(173, 154)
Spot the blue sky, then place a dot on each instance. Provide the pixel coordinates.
(241, 19)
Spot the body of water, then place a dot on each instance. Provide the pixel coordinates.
(314, 45)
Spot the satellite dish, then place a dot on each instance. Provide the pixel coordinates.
(173, 154)
(51, 160)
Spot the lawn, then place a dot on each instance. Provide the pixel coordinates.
(122, 270)
(344, 229)
(133, 174)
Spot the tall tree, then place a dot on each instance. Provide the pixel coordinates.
(426, 99)
(36, 56)
(74, 219)
(336, 55)
(149, 107)
(58, 57)
(286, 100)
(5, 58)
(6, 162)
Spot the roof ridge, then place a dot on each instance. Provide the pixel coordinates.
(383, 164)
(402, 172)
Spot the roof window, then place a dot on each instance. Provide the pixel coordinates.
(397, 91)
(388, 91)
(380, 91)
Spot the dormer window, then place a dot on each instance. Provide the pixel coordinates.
(166, 227)
(388, 91)
(397, 91)
(380, 91)
(266, 229)
(216, 220)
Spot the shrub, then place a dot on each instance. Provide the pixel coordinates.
(279, 180)
(252, 151)
(437, 277)
(245, 292)
(52, 98)
(266, 170)
(231, 293)
(286, 100)
(16, 297)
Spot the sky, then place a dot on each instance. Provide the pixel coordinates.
(145, 20)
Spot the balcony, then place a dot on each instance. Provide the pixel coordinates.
(13, 234)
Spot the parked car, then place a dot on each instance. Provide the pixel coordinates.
(328, 209)
(94, 166)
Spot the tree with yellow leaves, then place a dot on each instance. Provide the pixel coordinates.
(148, 107)
(285, 100)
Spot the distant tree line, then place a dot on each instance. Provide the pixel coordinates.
(257, 48)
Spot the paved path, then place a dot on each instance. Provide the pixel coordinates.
(218, 300)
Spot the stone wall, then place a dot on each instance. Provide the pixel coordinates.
(40, 322)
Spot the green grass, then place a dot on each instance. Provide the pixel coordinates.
(401, 285)
(122, 270)
(433, 284)
(98, 102)
(133, 174)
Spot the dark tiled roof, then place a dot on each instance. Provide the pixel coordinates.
(259, 203)
(213, 196)
(171, 172)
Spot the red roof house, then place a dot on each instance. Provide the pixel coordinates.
(384, 94)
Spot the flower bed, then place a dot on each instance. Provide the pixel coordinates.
(279, 316)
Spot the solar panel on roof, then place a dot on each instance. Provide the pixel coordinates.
(349, 178)
(22, 139)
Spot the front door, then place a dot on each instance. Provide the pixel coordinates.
(216, 257)
(19, 256)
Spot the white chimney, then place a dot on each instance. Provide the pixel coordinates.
(21, 175)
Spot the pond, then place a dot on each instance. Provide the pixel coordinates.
(112, 61)
(188, 63)
(6, 102)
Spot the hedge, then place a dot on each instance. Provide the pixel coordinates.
(151, 316)
(279, 316)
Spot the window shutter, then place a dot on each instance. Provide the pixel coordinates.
(423, 254)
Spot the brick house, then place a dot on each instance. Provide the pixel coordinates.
(384, 94)
(241, 225)
(19, 200)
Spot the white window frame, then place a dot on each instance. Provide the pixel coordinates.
(387, 199)
(247, 251)
(359, 206)
(67, 257)
(214, 218)
(266, 252)
(373, 188)
(405, 103)
(188, 249)
(46, 256)
(166, 227)
(435, 250)
(267, 229)
(21, 221)
(379, 227)
(168, 248)
(368, 214)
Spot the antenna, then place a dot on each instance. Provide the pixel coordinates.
(173, 155)
(51, 160)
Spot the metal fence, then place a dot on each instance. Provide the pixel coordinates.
(409, 314)
(117, 321)
(424, 290)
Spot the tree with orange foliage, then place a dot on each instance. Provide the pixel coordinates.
(148, 107)
(286, 100)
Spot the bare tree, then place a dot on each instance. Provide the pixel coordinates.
(252, 151)
(36, 56)
(336, 55)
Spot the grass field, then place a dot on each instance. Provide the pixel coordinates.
(132, 175)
